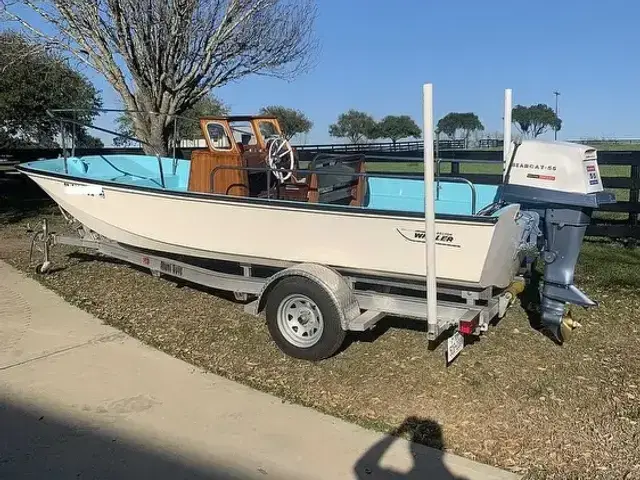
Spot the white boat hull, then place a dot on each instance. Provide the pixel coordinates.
(468, 252)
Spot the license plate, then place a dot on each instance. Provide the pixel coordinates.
(455, 344)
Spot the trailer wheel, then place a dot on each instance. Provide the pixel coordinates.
(43, 268)
(303, 319)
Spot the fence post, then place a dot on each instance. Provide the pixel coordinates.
(455, 168)
(634, 194)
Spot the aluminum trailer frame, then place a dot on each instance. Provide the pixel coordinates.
(467, 310)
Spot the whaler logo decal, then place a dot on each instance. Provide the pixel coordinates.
(442, 238)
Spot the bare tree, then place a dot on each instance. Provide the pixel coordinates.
(164, 55)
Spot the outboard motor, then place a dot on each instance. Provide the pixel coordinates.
(561, 183)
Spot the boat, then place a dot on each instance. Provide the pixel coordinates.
(246, 198)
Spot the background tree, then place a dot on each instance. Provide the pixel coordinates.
(292, 122)
(534, 120)
(466, 123)
(32, 81)
(188, 127)
(398, 127)
(164, 56)
(449, 125)
(84, 140)
(355, 126)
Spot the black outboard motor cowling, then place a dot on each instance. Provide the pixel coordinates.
(560, 182)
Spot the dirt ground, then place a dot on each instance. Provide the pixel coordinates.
(514, 399)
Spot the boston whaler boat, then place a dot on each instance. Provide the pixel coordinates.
(331, 248)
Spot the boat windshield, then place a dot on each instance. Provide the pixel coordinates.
(218, 136)
(243, 133)
(267, 129)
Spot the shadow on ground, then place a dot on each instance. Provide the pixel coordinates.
(35, 444)
(427, 463)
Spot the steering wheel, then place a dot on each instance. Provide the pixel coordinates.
(280, 158)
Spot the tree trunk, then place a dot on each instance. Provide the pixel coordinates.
(155, 130)
(153, 125)
(159, 135)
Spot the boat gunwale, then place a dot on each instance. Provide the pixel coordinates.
(253, 201)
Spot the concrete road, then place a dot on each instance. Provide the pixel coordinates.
(79, 399)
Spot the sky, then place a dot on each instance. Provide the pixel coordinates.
(375, 55)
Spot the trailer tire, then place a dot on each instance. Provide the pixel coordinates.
(296, 298)
(43, 268)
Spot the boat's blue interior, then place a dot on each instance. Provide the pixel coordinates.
(407, 194)
(384, 193)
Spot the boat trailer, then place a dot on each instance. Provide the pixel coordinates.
(301, 300)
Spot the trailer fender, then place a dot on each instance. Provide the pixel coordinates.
(330, 280)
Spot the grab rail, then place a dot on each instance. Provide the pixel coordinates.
(438, 178)
(75, 122)
(474, 192)
(161, 171)
(354, 174)
(438, 171)
(162, 182)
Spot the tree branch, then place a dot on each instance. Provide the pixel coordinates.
(165, 56)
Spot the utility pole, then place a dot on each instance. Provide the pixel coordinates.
(555, 128)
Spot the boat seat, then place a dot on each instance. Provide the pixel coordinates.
(226, 181)
(337, 181)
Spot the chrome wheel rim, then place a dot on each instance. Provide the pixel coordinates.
(300, 321)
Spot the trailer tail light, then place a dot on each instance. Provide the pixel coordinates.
(468, 327)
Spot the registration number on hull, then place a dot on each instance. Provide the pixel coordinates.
(90, 190)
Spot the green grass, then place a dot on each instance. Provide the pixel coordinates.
(445, 167)
(620, 147)
(608, 146)
(606, 264)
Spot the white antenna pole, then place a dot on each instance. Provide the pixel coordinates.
(508, 107)
(429, 209)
